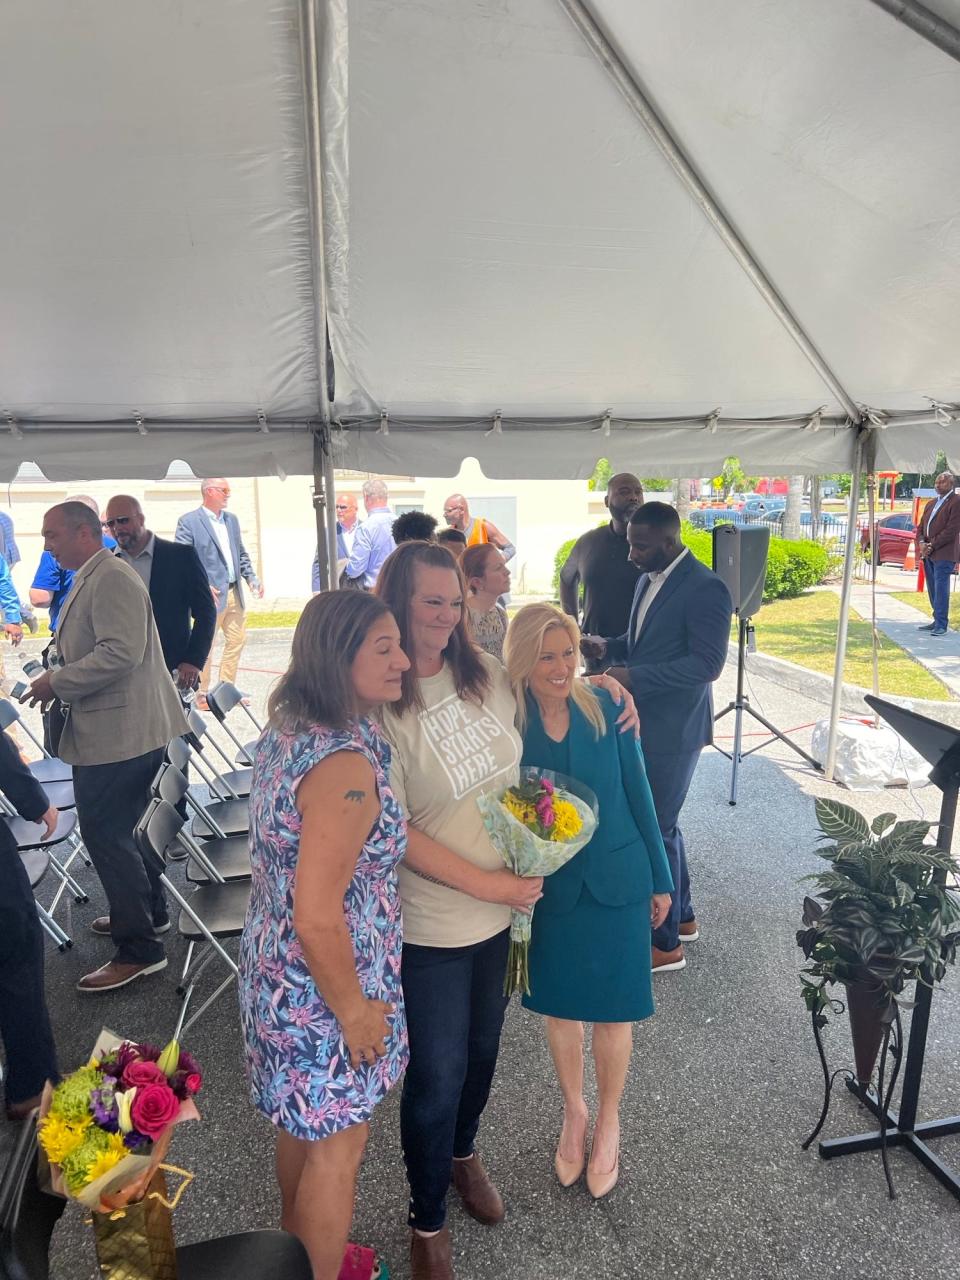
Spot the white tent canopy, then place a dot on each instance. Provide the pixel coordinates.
(508, 265)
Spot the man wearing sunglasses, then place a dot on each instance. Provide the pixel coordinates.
(183, 607)
(346, 507)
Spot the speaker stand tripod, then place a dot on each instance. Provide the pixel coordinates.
(741, 706)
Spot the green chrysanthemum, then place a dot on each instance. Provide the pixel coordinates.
(76, 1166)
(71, 1098)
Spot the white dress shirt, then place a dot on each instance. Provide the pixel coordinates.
(223, 537)
(142, 562)
(656, 581)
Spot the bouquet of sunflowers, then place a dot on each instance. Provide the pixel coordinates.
(105, 1127)
(536, 826)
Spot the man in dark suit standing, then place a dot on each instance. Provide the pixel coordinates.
(215, 535)
(183, 607)
(24, 1021)
(938, 536)
(674, 648)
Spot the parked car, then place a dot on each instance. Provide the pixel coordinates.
(828, 523)
(707, 517)
(755, 508)
(895, 532)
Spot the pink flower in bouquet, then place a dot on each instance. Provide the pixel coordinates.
(137, 1074)
(193, 1082)
(547, 786)
(154, 1107)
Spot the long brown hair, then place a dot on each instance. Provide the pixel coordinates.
(316, 688)
(395, 587)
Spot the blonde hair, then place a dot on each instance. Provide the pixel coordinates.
(521, 653)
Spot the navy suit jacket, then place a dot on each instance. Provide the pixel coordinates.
(196, 530)
(681, 651)
(625, 861)
(183, 607)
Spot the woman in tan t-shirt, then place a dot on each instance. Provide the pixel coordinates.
(453, 737)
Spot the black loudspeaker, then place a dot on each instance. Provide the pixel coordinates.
(740, 560)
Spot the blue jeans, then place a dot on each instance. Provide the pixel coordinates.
(670, 778)
(455, 1006)
(937, 573)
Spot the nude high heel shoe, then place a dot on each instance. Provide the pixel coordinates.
(569, 1171)
(601, 1184)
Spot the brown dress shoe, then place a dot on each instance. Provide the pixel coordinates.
(664, 961)
(17, 1111)
(112, 975)
(480, 1197)
(431, 1257)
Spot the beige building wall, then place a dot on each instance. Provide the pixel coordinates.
(279, 526)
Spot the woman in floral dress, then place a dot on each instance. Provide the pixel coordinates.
(321, 1004)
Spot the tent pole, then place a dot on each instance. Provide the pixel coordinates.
(322, 458)
(845, 592)
(670, 149)
(925, 23)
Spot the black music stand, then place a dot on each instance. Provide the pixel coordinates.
(940, 745)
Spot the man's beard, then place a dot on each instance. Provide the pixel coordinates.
(623, 513)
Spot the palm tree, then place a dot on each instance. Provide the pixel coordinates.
(791, 514)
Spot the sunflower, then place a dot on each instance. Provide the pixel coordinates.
(568, 822)
(59, 1138)
(104, 1161)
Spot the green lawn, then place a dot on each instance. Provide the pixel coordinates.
(921, 601)
(804, 630)
(280, 618)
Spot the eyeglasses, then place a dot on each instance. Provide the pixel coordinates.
(117, 522)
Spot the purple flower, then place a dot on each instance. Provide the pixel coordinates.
(135, 1140)
(103, 1104)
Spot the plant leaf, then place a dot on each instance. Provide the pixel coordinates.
(840, 822)
(880, 823)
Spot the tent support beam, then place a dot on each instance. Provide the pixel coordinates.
(324, 498)
(925, 23)
(631, 90)
(845, 593)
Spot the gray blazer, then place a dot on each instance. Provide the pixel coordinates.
(195, 529)
(121, 698)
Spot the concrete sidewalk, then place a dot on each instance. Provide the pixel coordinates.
(900, 622)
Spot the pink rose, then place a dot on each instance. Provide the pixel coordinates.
(154, 1107)
(137, 1074)
(193, 1082)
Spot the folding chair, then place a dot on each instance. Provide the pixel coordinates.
(36, 863)
(30, 839)
(221, 700)
(29, 1215)
(229, 855)
(220, 818)
(210, 913)
(49, 768)
(231, 784)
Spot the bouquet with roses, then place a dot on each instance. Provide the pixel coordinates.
(106, 1127)
(536, 826)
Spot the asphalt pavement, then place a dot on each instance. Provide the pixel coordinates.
(723, 1086)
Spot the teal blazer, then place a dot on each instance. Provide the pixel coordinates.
(625, 861)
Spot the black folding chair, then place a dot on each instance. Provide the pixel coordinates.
(226, 783)
(221, 700)
(30, 840)
(218, 818)
(211, 913)
(36, 863)
(49, 768)
(28, 1216)
(225, 858)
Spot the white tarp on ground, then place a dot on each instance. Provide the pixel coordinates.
(501, 234)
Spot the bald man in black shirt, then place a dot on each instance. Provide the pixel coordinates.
(599, 563)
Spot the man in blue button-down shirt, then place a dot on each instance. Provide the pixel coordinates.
(374, 540)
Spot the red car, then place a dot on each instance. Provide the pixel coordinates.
(896, 532)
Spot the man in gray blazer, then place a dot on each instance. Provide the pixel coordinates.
(121, 712)
(215, 535)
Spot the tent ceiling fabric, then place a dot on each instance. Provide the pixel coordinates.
(156, 248)
(500, 234)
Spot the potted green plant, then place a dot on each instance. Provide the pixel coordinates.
(885, 918)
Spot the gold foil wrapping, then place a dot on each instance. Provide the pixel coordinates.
(136, 1242)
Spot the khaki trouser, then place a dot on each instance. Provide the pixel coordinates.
(234, 626)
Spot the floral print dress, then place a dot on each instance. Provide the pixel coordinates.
(298, 1064)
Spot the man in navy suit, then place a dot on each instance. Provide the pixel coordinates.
(215, 535)
(183, 607)
(672, 651)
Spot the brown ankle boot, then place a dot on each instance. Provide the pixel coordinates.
(480, 1197)
(431, 1257)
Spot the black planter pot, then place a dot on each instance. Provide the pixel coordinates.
(867, 1026)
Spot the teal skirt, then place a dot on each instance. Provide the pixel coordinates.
(592, 964)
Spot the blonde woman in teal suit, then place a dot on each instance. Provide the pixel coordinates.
(591, 946)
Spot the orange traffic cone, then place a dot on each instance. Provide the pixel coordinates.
(910, 559)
